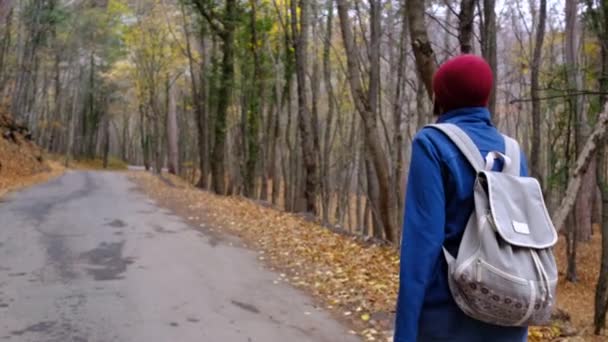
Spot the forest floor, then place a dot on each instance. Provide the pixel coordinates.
(22, 163)
(354, 279)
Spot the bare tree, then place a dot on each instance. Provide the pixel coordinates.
(387, 206)
(534, 89)
(172, 129)
(488, 48)
(465, 25)
(421, 44)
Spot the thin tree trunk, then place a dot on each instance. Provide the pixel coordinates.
(465, 25)
(326, 182)
(226, 34)
(489, 50)
(253, 117)
(388, 204)
(199, 100)
(421, 44)
(304, 116)
(601, 291)
(6, 7)
(72, 121)
(534, 88)
(106, 140)
(172, 130)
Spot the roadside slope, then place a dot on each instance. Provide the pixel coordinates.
(22, 163)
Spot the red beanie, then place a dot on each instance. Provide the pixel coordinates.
(463, 81)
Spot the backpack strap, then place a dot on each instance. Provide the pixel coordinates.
(464, 144)
(513, 152)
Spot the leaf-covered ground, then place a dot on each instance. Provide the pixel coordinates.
(355, 280)
(21, 161)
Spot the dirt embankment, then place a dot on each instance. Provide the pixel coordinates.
(22, 162)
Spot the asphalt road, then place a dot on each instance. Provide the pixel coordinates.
(88, 258)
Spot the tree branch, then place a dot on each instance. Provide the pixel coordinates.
(212, 18)
(580, 93)
(582, 163)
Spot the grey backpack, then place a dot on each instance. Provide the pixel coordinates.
(505, 272)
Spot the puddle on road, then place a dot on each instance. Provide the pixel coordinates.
(162, 230)
(117, 224)
(246, 307)
(108, 261)
(42, 327)
(59, 256)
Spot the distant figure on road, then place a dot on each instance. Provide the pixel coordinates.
(439, 202)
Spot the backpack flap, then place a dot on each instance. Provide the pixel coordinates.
(518, 210)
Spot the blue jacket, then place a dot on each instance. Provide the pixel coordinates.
(438, 204)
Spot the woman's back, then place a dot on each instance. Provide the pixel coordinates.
(439, 202)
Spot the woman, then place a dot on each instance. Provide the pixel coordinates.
(438, 204)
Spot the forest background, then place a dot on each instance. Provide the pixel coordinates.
(311, 105)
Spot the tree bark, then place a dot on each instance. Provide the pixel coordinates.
(199, 100)
(601, 290)
(6, 6)
(465, 25)
(172, 130)
(535, 161)
(304, 117)
(254, 114)
(388, 204)
(326, 182)
(106, 140)
(398, 135)
(225, 28)
(421, 44)
(488, 48)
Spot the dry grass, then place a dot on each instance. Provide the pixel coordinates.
(15, 183)
(22, 162)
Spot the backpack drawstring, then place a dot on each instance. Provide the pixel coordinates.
(544, 278)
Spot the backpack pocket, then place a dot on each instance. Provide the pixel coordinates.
(497, 297)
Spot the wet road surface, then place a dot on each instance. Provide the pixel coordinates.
(87, 258)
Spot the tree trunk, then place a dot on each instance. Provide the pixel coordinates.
(125, 138)
(72, 121)
(601, 291)
(488, 48)
(534, 88)
(6, 6)
(172, 130)
(326, 182)
(145, 144)
(571, 248)
(224, 95)
(584, 204)
(199, 100)
(106, 140)
(465, 25)
(388, 205)
(421, 44)
(300, 39)
(398, 136)
(254, 113)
